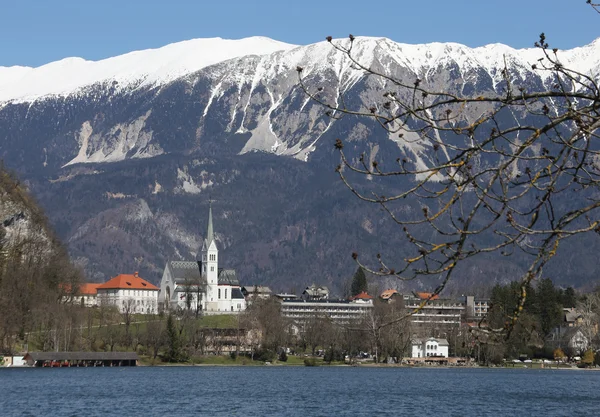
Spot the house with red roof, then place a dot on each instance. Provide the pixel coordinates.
(362, 297)
(130, 293)
(87, 294)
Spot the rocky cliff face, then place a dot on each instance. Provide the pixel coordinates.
(125, 153)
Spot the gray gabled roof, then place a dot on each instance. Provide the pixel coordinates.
(316, 291)
(228, 277)
(182, 270)
(440, 342)
(236, 293)
(259, 289)
(82, 356)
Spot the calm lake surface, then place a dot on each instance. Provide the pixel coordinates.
(297, 391)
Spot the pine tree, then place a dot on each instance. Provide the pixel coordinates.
(174, 352)
(359, 282)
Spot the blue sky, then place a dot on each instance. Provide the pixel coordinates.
(34, 32)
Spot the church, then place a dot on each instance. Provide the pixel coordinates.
(201, 285)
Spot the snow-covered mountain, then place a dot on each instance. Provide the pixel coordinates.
(156, 67)
(122, 151)
(149, 68)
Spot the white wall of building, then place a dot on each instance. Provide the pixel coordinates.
(137, 301)
(429, 347)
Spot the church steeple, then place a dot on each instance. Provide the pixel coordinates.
(210, 266)
(209, 234)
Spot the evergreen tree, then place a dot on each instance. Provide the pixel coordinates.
(359, 282)
(569, 298)
(174, 346)
(549, 307)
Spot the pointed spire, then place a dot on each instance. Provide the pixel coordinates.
(209, 234)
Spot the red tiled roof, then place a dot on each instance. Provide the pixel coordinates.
(426, 295)
(88, 288)
(387, 294)
(362, 296)
(127, 281)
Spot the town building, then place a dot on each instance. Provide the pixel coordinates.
(315, 293)
(476, 308)
(362, 296)
(253, 292)
(286, 296)
(572, 317)
(436, 311)
(201, 285)
(341, 311)
(391, 296)
(430, 347)
(87, 296)
(129, 293)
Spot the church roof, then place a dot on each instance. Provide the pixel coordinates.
(181, 270)
(236, 293)
(228, 277)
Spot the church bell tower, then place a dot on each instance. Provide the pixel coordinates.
(210, 265)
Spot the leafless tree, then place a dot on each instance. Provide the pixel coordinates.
(495, 186)
(194, 289)
(154, 338)
(589, 308)
(128, 310)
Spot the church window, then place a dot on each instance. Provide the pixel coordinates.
(226, 293)
(219, 293)
(212, 269)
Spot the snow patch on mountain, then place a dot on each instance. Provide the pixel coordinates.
(187, 183)
(121, 141)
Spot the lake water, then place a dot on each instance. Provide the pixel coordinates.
(297, 391)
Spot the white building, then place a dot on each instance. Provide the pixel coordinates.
(129, 293)
(432, 347)
(85, 296)
(341, 311)
(201, 284)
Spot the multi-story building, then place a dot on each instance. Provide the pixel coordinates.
(342, 311)
(129, 293)
(476, 308)
(437, 311)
